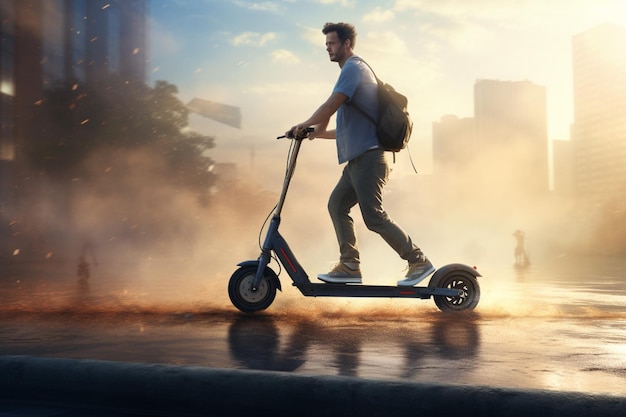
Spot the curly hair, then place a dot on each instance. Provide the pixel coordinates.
(344, 31)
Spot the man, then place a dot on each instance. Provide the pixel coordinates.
(367, 168)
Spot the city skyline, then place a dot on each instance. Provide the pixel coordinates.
(271, 95)
(503, 147)
(268, 57)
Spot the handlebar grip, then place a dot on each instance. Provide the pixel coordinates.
(308, 130)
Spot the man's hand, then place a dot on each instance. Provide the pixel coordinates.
(299, 131)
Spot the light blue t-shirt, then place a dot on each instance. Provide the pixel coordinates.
(355, 132)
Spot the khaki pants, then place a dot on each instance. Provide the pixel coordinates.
(362, 183)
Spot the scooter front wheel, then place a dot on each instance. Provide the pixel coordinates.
(468, 298)
(241, 294)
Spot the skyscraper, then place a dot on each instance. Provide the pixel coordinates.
(454, 144)
(512, 137)
(44, 42)
(563, 167)
(502, 152)
(599, 128)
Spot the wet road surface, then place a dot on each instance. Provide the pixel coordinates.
(557, 327)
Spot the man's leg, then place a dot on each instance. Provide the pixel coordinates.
(369, 173)
(341, 201)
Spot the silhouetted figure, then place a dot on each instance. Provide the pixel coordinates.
(83, 269)
(521, 259)
(83, 265)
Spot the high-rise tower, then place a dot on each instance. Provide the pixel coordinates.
(599, 128)
(511, 136)
(44, 42)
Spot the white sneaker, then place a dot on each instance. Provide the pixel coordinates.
(418, 270)
(342, 274)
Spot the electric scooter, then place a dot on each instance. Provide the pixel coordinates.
(252, 287)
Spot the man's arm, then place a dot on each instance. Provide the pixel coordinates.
(321, 117)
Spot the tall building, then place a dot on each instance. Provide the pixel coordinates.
(563, 167)
(44, 42)
(512, 137)
(599, 128)
(502, 152)
(454, 141)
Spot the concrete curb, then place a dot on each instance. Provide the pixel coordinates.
(191, 390)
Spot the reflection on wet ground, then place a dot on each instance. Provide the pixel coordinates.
(363, 348)
(548, 327)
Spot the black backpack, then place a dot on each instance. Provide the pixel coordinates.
(394, 125)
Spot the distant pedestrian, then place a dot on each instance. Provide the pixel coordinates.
(521, 259)
(86, 250)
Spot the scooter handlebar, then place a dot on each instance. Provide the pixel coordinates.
(291, 136)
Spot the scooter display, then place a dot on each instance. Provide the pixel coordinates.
(252, 287)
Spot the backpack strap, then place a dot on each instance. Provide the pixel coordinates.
(363, 112)
(356, 106)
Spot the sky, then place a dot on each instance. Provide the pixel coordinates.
(269, 59)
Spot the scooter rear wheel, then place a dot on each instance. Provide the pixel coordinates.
(241, 294)
(468, 300)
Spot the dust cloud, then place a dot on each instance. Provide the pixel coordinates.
(150, 246)
(155, 249)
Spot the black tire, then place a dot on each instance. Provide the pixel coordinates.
(464, 302)
(241, 294)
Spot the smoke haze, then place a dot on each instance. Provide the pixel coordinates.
(150, 244)
(160, 247)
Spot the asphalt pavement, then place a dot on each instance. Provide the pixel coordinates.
(11, 408)
(42, 387)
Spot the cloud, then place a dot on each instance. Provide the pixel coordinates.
(313, 36)
(263, 6)
(283, 56)
(344, 3)
(511, 14)
(379, 15)
(385, 43)
(253, 39)
(285, 89)
(485, 8)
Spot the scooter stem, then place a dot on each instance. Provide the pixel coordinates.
(268, 246)
(291, 167)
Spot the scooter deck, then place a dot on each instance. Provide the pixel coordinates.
(382, 291)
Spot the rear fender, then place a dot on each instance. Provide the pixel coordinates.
(451, 268)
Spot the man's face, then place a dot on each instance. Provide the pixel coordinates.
(336, 50)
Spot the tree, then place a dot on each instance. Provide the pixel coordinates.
(124, 148)
(83, 120)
